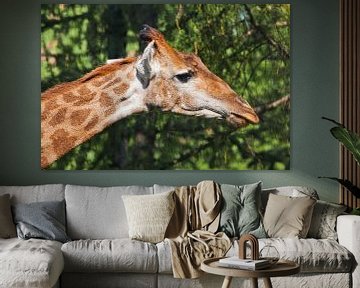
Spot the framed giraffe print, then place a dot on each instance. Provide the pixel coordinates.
(165, 86)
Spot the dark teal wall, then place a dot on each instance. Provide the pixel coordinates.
(314, 89)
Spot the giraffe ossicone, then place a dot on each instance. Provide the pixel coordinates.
(73, 112)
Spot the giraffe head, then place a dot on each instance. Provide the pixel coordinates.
(181, 83)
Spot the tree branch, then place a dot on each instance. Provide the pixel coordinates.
(268, 39)
(272, 105)
(46, 24)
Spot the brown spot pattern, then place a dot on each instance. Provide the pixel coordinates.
(110, 111)
(59, 117)
(106, 100)
(48, 104)
(121, 89)
(84, 91)
(45, 115)
(62, 142)
(69, 97)
(85, 99)
(102, 80)
(79, 117)
(51, 105)
(92, 123)
(112, 83)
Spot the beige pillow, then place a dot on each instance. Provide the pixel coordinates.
(7, 226)
(149, 215)
(288, 217)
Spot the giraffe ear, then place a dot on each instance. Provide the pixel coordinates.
(143, 66)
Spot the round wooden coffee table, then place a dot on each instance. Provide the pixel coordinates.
(281, 268)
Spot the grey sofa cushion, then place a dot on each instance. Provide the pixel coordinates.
(35, 193)
(116, 255)
(98, 213)
(30, 263)
(323, 222)
(44, 220)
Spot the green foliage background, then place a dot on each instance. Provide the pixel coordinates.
(248, 46)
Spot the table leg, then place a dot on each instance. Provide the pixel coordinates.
(254, 282)
(227, 282)
(267, 283)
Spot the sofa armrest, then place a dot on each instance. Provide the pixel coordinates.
(348, 230)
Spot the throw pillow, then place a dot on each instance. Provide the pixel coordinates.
(43, 220)
(149, 215)
(288, 217)
(7, 227)
(240, 213)
(323, 222)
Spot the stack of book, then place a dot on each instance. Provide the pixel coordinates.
(248, 264)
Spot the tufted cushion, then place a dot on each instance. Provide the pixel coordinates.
(30, 263)
(117, 255)
(149, 215)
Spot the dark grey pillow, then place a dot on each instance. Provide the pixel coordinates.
(44, 220)
(240, 213)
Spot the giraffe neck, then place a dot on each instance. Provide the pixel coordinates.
(73, 112)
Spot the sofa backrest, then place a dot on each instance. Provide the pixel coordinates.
(163, 188)
(36, 193)
(98, 213)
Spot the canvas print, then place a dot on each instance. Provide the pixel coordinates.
(170, 86)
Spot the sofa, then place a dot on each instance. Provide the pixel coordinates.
(100, 253)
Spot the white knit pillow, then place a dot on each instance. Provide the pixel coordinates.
(149, 215)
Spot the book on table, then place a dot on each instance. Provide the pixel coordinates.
(249, 264)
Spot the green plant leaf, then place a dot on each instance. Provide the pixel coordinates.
(348, 138)
(348, 185)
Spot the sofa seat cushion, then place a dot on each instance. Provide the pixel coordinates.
(30, 263)
(313, 255)
(110, 255)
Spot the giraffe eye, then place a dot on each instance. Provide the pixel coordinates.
(184, 77)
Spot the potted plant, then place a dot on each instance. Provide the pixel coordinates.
(351, 141)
